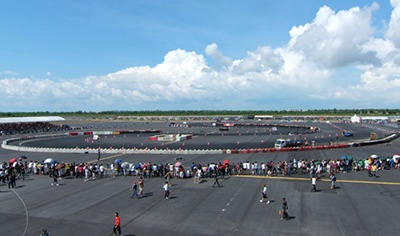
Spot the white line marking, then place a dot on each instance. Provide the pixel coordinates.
(26, 212)
(227, 204)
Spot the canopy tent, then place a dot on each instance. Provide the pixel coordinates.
(178, 164)
(8, 120)
(50, 161)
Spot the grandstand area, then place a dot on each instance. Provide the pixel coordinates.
(25, 125)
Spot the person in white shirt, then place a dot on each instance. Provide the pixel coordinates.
(101, 169)
(166, 190)
(314, 184)
(264, 194)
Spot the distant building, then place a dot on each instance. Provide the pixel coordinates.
(263, 117)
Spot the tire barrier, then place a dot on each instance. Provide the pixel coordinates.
(376, 141)
(170, 137)
(152, 131)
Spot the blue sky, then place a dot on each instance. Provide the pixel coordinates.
(199, 55)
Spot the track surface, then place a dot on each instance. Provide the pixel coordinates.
(360, 206)
(204, 137)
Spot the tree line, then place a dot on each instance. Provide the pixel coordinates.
(275, 113)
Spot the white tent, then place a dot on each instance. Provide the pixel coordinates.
(49, 161)
(355, 119)
(31, 119)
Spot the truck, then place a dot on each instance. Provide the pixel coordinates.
(281, 143)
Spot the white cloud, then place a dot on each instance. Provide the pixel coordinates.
(8, 73)
(334, 39)
(305, 70)
(221, 62)
(393, 32)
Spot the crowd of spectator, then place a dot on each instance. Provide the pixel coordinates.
(9, 172)
(30, 127)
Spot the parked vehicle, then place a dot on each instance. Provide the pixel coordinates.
(348, 134)
(281, 143)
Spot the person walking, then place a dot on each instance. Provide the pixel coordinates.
(216, 182)
(55, 179)
(166, 190)
(333, 181)
(12, 180)
(314, 184)
(44, 233)
(369, 168)
(373, 170)
(284, 213)
(264, 194)
(197, 175)
(117, 224)
(141, 186)
(168, 176)
(87, 172)
(134, 190)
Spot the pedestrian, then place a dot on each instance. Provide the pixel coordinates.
(264, 194)
(168, 177)
(22, 168)
(141, 186)
(117, 225)
(369, 168)
(98, 154)
(197, 176)
(112, 168)
(166, 190)
(87, 172)
(55, 179)
(12, 180)
(134, 190)
(333, 181)
(101, 171)
(216, 180)
(373, 170)
(314, 184)
(284, 213)
(44, 233)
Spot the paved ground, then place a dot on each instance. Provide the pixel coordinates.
(205, 136)
(359, 206)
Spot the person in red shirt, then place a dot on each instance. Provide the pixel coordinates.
(117, 225)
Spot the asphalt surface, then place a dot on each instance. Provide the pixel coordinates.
(359, 206)
(204, 136)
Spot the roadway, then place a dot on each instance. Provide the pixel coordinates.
(359, 206)
(204, 137)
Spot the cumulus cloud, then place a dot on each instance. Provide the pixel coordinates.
(8, 73)
(393, 32)
(334, 38)
(221, 61)
(335, 60)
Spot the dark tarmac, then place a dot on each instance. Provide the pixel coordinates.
(360, 205)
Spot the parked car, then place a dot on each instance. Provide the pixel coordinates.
(348, 134)
(295, 133)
